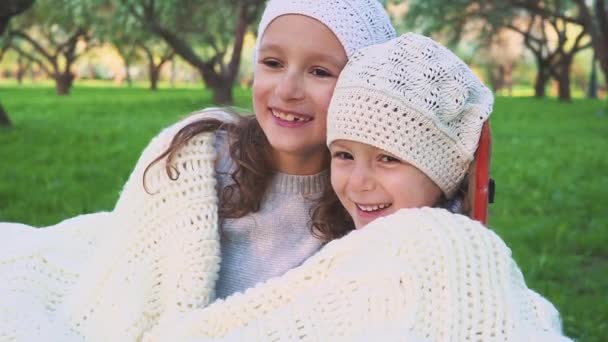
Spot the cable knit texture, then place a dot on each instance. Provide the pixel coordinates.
(109, 276)
(147, 269)
(356, 23)
(418, 275)
(415, 99)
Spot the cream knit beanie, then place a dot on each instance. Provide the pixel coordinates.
(415, 99)
(356, 23)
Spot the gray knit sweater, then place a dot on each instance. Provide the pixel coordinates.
(277, 238)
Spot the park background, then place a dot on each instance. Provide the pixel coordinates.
(85, 84)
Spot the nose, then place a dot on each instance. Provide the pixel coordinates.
(361, 179)
(291, 86)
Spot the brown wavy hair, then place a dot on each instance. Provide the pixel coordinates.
(250, 151)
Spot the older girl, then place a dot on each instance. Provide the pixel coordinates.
(110, 276)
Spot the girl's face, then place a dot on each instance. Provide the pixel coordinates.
(371, 183)
(297, 67)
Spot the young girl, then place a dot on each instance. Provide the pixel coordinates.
(110, 276)
(273, 166)
(403, 126)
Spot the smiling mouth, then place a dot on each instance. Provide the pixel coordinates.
(373, 208)
(289, 117)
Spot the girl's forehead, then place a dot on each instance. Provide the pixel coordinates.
(304, 36)
(298, 29)
(352, 144)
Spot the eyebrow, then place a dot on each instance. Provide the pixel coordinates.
(337, 144)
(314, 55)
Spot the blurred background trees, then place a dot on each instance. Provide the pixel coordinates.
(546, 46)
(554, 32)
(9, 9)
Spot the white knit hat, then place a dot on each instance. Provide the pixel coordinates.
(356, 23)
(415, 99)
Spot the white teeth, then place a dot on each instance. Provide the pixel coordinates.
(289, 116)
(375, 207)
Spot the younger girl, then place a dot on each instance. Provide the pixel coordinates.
(403, 125)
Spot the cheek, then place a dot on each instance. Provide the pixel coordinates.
(322, 97)
(261, 87)
(413, 190)
(338, 180)
(257, 92)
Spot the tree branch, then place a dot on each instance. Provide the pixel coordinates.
(37, 46)
(533, 7)
(167, 56)
(576, 48)
(32, 58)
(240, 29)
(70, 43)
(179, 45)
(147, 52)
(601, 13)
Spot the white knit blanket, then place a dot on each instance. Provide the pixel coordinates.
(147, 269)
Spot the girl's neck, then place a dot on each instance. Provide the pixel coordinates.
(301, 165)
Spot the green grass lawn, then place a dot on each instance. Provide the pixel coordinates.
(71, 155)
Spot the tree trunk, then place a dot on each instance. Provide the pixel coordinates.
(154, 74)
(540, 84)
(8, 10)
(173, 73)
(222, 94)
(592, 90)
(63, 82)
(4, 120)
(542, 77)
(21, 68)
(128, 74)
(508, 78)
(19, 74)
(564, 88)
(563, 80)
(496, 78)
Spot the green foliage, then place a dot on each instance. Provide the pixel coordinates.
(207, 25)
(67, 156)
(452, 18)
(62, 16)
(54, 33)
(551, 203)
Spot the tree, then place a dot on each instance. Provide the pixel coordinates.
(54, 34)
(483, 21)
(547, 36)
(592, 16)
(133, 42)
(8, 10)
(208, 34)
(555, 56)
(127, 50)
(500, 56)
(156, 57)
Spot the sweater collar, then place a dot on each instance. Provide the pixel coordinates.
(297, 184)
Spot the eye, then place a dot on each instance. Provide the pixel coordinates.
(320, 72)
(342, 155)
(271, 63)
(389, 159)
